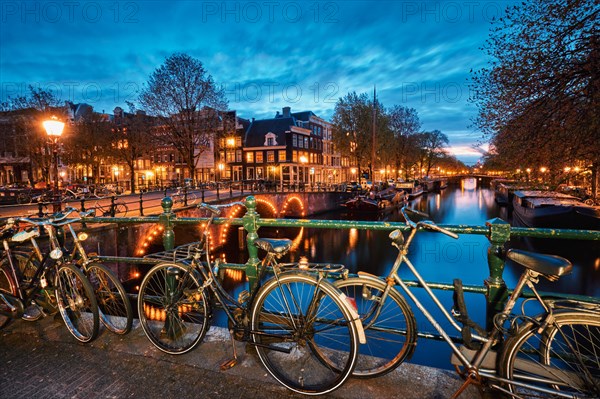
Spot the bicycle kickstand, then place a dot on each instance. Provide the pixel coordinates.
(472, 378)
(233, 361)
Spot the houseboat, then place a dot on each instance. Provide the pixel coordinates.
(550, 209)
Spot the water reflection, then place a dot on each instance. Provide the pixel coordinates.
(438, 258)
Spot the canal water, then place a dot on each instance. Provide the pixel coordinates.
(438, 258)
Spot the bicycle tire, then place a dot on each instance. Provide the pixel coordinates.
(77, 303)
(327, 333)
(8, 286)
(24, 198)
(121, 209)
(174, 316)
(114, 307)
(392, 337)
(547, 358)
(191, 198)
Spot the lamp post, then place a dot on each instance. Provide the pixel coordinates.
(54, 129)
(221, 168)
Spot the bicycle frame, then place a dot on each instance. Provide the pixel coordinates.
(477, 361)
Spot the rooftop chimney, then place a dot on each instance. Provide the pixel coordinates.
(287, 112)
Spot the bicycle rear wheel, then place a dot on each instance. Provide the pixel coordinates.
(173, 309)
(121, 209)
(7, 286)
(390, 327)
(114, 305)
(563, 360)
(303, 334)
(77, 303)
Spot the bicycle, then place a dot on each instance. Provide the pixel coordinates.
(184, 196)
(114, 307)
(114, 208)
(305, 332)
(52, 278)
(553, 353)
(78, 194)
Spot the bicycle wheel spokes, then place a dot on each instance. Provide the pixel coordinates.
(114, 305)
(77, 304)
(305, 340)
(390, 327)
(563, 359)
(173, 312)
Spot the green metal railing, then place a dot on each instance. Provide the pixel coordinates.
(496, 230)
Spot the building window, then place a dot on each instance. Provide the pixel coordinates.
(238, 142)
(294, 156)
(230, 156)
(250, 157)
(305, 142)
(259, 157)
(294, 140)
(238, 156)
(282, 156)
(270, 156)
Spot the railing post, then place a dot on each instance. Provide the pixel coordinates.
(141, 203)
(249, 221)
(218, 198)
(230, 191)
(184, 195)
(496, 287)
(112, 206)
(203, 193)
(166, 220)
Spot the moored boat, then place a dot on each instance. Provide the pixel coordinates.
(412, 189)
(553, 210)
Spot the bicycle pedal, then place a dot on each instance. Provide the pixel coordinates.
(228, 364)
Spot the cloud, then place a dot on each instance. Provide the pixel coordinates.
(268, 55)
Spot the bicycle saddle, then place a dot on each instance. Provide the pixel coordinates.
(277, 246)
(551, 266)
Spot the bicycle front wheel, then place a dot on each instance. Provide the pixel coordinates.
(115, 308)
(562, 360)
(303, 334)
(173, 309)
(77, 303)
(121, 209)
(390, 327)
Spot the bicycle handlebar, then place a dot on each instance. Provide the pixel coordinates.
(216, 209)
(58, 219)
(427, 224)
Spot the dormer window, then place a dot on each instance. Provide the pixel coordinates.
(270, 139)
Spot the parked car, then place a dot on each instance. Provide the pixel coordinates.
(352, 186)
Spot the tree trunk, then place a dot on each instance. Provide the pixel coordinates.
(595, 168)
(131, 176)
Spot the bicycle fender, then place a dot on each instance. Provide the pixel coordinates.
(355, 317)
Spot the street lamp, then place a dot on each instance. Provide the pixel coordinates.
(54, 129)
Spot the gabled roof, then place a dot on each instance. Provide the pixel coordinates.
(303, 116)
(255, 135)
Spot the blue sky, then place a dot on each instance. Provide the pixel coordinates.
(267, 54)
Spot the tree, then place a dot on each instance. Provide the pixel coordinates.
(538, 100)
(404, 125)
(88, 143)
(132, 138)
(353, 128)
(433, 146)
(27, 114)
(187, 101)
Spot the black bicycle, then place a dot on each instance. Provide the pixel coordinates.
(27, 295)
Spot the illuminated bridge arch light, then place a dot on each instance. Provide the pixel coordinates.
(291, 201)
(153, 235)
